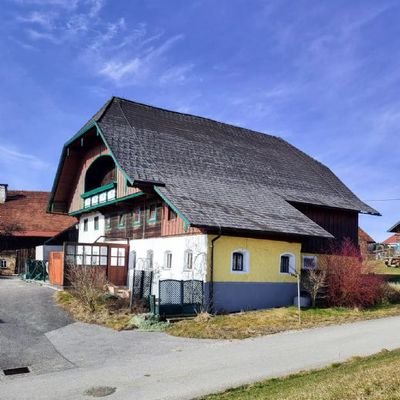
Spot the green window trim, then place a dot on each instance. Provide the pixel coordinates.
(121, 217)
(100, 189)
(151, 220)
(136, 211)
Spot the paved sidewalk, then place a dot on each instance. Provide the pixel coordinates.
(155, 366)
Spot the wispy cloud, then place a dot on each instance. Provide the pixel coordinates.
(14, 157)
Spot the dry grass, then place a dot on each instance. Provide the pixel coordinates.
(109, 312)
(379, 267)
(264, 322)
(368, 378)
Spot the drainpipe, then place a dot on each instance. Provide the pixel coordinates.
(211, 290)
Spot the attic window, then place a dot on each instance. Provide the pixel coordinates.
(171, 214)
(152, 213)
(101, 172)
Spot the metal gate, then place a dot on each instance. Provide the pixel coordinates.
(180, 297)
(142, 281)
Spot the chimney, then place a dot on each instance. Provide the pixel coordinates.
(3, 192)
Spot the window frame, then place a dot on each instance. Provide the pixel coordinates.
(86, 225)
(171, 214)
(315, 262)
(186, 259)
(150, 259)
(168, 259)
(245, 261)
(107, 222)
(121, 216)
(150, 219)
(3, 263)
(137, 211)
(291, 266)
(96, 223)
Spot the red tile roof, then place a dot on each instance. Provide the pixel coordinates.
(392, 239)
(27, 211)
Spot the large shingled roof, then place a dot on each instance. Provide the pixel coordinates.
(221, 175)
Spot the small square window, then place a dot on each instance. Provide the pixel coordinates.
(85, 225)
(309, 262)
(96, 223)
(287, 264)
(240, 261)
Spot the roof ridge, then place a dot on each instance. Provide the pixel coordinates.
(193, 116)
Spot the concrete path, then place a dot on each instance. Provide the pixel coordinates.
(156, 366)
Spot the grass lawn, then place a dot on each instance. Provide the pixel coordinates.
(375, 377)
(379, 267)
(109, 313)
(263, 322)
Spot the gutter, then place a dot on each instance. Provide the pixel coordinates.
(211, 290)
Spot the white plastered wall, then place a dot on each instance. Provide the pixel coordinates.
(91, 235)
(177, 245)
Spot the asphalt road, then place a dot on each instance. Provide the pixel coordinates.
(156, 366)
(27, 313)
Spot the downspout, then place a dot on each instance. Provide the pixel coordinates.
(211, 290)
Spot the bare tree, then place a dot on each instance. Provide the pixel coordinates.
(7, 230)
(314, 282)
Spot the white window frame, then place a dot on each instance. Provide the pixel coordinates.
(186, 259)
(150, 259)
(292, 263)
(315, 260)
(168, 260)
(246, 262)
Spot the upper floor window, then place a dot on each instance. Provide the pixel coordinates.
(3, 264)
(168, 260)
(108, 222)
(85, 225)
(287, 263)
(171, 214)
(136, 216)
(96, 223)
(152, 213)
(188, 259)
(121, 220)
(240, 261)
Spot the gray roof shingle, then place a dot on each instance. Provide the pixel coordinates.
(217, 174)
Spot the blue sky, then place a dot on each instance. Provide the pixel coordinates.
(323, 75)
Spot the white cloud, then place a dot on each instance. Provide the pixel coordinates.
(9, 156)
(116, 70)
(37, 35)
(44, 19)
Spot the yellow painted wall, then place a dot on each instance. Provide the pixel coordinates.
(264, 259)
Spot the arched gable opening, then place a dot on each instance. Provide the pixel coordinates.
(101, 172)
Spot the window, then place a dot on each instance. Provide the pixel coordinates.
(117, 257)
(85, 224)
(108, 222)
(309, 262)
(240, 261)
(168, 260)
(171, 214)
(136, 216)
(149, 259)
(121, 220)
(287, 264)
(152, 213)
(3, 264)
(188, 259)
(96, 223)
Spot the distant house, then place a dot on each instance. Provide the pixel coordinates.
(24, 224)
(190, 198)
(365, 242)
(392, 239)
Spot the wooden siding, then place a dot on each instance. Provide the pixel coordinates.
(175, 226)
(76, 202)
(341, 224)
(146, 229)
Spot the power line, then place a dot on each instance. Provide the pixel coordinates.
(383, 200)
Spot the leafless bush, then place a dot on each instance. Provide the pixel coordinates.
(314, 282)
(87, 284)
(391, 293)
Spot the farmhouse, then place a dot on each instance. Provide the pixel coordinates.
(192, 199)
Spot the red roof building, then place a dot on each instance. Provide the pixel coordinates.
(25, 224)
